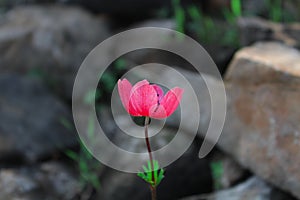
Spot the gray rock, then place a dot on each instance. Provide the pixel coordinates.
(253, 7)
(52, 40)
(59, 178)
(253, 188)
(256, 29)
(130, 8)
(161, 23)
(261, 130)
(30, 120)
(49, 181)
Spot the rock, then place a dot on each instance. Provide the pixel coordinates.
(293, 31)
(129, 8)
(14, 184)
(232, 172)
(256, 29)
(49, 40)
(262, 126)
(161, 23)
(59, 178)
(6, 4)
(30, 121)
(49, 181)
(253, 7)
(253, 188)
(289, 9)
(221, 55)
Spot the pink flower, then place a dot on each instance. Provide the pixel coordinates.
(148, 100)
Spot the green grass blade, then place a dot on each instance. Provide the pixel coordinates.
(72, 155)
(236, 7)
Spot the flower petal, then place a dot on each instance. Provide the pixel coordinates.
(143, 96)
(124, 88)
(158, 112)
(159, 91)
(168, 104)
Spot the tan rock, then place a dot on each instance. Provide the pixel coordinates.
(262, 130)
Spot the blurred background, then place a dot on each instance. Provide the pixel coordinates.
(255, 44)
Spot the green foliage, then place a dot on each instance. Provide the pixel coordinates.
(209, 32)
(236, 8)
(202, 25)
(88, 167)
(194, 13)
(162, 12)
(278, 13)
(147, 174)
(120, 64)
(41, 74)
(109, 80)
(217, 173)
(179, 15)
(36, 73)
(91, 96)
(276, 10)
(66, 123)
(4, 6)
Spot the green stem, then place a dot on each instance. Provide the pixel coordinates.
(152, 187)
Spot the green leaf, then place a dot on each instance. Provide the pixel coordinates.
(91, 128)
(141, 174)
(145, 169)
(160, 176)
(230, 18)
(71, 154)
(236, 8)
(86, 155)
(83, 166)
(94, 180)
(109, 80)
(155, 175)
(217, 173)
(149, 166)
(66, 123)
(91, 96)
(120, 64)
(179, 16)
(147, 174)
(37, 73)
(194, 13)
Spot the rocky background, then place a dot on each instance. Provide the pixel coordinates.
(42, 44)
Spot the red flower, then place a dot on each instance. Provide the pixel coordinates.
(148, 100)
